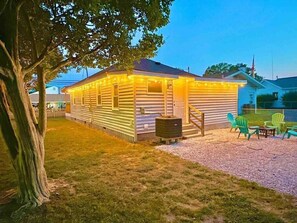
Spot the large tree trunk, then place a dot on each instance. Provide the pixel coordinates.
(28, 157)
(22, 134)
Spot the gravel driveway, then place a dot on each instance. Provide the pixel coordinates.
(271, 162)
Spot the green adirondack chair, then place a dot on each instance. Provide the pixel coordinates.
(292, 132)
(242, 124)
(277, 120)
(232, 121)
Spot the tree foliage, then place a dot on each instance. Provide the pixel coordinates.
(220, 69)
(290, 99)
(45, 37)
(265, 100)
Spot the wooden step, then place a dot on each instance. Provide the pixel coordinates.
(190, 131)
(192, 136)
(188, 126)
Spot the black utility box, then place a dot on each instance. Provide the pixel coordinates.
(168, 127)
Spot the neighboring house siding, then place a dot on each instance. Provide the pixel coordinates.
(121, 120)
(50, 90)
(153, 103)
(269, 89)
(214, 101)
(246, 95)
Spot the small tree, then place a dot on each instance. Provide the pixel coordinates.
(290, 99)
(265, 100)
(44, 37)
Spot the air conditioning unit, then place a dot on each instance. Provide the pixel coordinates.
(168, 127)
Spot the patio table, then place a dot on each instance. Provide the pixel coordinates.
(264, 131)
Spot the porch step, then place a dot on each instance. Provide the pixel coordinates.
(190, 131)
(192, 136)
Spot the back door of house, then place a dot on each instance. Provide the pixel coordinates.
(179, 99)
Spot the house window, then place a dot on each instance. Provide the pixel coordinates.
(83, 97)
(115, 96)
(99, 95)
(154, 86)
(275, 95)
(74, 98)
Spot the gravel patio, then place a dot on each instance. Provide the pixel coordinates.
(271, 162)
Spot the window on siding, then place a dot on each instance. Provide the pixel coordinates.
(99, 95)
(74, 98)
(275, 95)
(115, 96)
(83, 98)
(154, 86)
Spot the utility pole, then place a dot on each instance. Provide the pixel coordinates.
(272, 72)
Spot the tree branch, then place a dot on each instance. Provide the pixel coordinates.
(71, 60)
(42, 119)
(2, 44)
(16, 40)
(6, 126)
(4, 6)
(4, 73)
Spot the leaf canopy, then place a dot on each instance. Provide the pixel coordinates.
(58, 34)
(223, 69)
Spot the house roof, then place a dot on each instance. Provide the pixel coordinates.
(144, 65)
(287, 82)
(249, 78)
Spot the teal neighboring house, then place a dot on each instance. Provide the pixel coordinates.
(247, 95)
(278, 88)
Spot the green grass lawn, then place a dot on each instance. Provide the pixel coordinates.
(111, 180)
(261, 116)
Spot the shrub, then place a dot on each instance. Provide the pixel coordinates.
(290, 99)
(265, 100)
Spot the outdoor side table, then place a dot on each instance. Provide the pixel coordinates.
(264, 131)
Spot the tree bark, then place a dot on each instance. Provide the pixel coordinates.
(19, 126)
(29, 161)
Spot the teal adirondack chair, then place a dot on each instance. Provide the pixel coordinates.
(232, 121)
(292, 132)
(242, 124)
(277, 120)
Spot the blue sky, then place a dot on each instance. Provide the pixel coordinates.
(206, 32)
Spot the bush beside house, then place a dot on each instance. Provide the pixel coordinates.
(289, 99)
(265, 100)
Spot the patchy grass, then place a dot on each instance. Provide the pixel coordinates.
(111, 180)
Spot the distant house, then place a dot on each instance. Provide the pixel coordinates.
(55, 99)
(127, 103)
(278, 88)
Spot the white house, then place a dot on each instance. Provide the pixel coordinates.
(126, 104)
(54, 97)
(50, 90)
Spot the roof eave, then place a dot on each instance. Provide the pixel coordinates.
(248, 77)
(220, 80)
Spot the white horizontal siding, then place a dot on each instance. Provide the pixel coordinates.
(152, 103)
(121, 120)
(214, 100)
